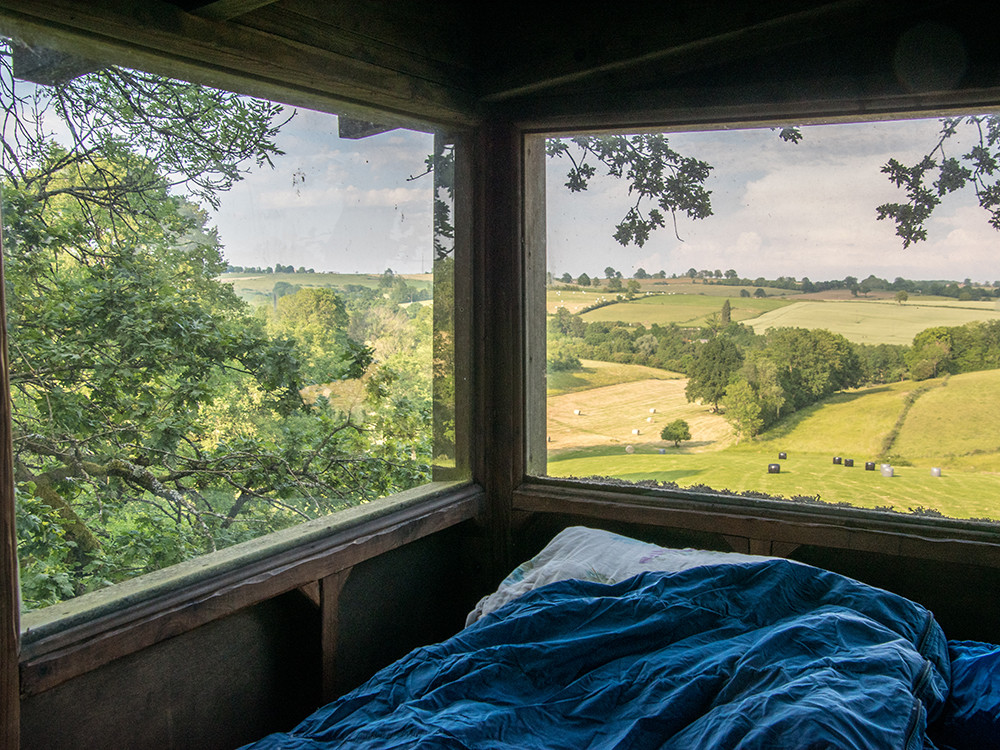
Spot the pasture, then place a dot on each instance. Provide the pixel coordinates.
(875, 321)
(596, 374)
(958, 494)
(948, 426)
(257, 287)
(683, 309)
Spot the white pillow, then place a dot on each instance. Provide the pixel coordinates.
(595, 555)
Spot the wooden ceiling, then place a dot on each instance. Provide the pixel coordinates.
(548, 64)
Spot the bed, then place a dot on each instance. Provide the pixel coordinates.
(602, 641)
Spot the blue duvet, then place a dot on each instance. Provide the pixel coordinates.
(766, 655)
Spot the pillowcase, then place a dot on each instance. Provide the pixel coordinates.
(971, 717)
(589, 554)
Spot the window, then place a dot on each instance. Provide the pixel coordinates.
(809, 313)
(226, 317)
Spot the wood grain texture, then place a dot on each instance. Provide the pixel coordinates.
(157, 36)
(66, 654)
(9, 594)
(773, 528)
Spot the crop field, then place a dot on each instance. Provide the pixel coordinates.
(948, 426)
(596, 374)
(683, 309)
(253, 287)
(609, 414)
(875, 321)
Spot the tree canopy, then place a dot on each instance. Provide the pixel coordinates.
(155, 414)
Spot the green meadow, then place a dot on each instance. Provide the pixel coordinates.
(948, 426)
(875, 321)
(684, 309)
(256, 287)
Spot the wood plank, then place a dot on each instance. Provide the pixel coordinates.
(777, 524)
(224, 10)
(679, 38)
(330, 589)
(9, 594)
(87, 646)
(534, 293)
(156, 36)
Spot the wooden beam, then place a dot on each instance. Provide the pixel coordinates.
(330, 588)
(772, 527)
(10, 599)
(327, 546)
(156, 36)
(678, 38)
(224, 10)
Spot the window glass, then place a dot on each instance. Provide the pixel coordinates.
(811, 313)
(223, 316)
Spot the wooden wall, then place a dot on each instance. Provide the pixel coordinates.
(259, 670)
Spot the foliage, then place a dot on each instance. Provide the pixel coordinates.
(937, 174)
(155, 415)
(711, 369)
(655, 173)
(676, 431)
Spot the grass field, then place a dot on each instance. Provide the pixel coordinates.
(596, 374)
(683, 309)
(956, 494)
(253, 287)
(949, 426)
(875, 321)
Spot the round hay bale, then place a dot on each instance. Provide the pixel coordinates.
(936, 471)
(629, 449)
(652, 411)
(774, 468)
(635, 432)
(663, 450)
(886, 470)
(649, 419)
(576, 412)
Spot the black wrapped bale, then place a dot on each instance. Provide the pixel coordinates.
(782, 455)
(836, 459)
(848, 462)
(774, 468)
(869, 466)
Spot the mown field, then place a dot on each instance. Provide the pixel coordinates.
(254, 287)
(875, 321)
(948, 426)
(684, 309)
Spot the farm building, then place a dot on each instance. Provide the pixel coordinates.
(227, 648)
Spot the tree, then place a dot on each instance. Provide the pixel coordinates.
(614, 284)
(726, 315)
(902, 296)
(676, 431)
(937, 174)
(731, 274)
(631, 288)
(710, 371)
(656, 173)
(154, 415)
(640, 273)
(583, 280)
(566, 278)
(610, 273)
(742, 408)
(759, 293)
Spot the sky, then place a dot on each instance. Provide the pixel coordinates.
(779, 209)
(333, 204)
(783, 209)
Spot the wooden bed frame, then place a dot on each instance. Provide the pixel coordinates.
(220, 651)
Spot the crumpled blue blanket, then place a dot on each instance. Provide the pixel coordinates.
(765, 655)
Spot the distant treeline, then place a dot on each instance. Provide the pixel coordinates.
(276, 268)
(759, 379)
(965, 290)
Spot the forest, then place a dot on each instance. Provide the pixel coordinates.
(156, 415)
